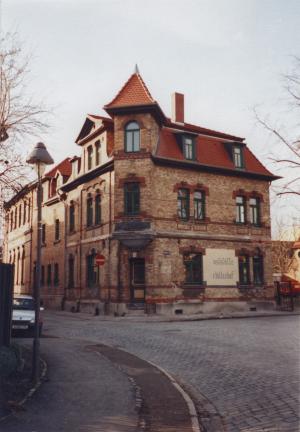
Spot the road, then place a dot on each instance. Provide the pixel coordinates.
(247, 368)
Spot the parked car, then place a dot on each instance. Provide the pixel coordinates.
(23, 316)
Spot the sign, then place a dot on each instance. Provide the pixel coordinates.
(100, 260)
(220, 267)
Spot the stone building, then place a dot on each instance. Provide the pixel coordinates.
(180, 214)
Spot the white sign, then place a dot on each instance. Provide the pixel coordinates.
(220, 267)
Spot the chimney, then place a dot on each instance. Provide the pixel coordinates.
(177, 108)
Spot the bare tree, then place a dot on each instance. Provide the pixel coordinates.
(290, 151)
(19, 114)
(283, 258)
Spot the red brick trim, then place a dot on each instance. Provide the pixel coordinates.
(192, 249)
(129, 119)
(255, 194)
(240, 192)
(191, 187)
(121, 155)
(132, 178)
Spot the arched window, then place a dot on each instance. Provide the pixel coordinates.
(72, 217)
(98, 209)
(132, 137)
(23, 266)
(71, 272)
(89, 211)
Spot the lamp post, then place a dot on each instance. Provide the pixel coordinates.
(39, 157)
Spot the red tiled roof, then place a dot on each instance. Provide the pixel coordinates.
(193, 128)
(64, 167)
(133, 93)
(210, 152)
(97, 117)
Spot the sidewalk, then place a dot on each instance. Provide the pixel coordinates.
(142, 317)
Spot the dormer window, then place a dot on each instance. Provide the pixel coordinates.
(188, 148)
(238, 157)
(132, 137)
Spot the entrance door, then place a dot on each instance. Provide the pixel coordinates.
(137, 280)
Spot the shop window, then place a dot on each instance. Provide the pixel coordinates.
(92, 271)
(254, 204)
(98, 209)
(199, 205)
(193, 268)
(72, 217)
(89, 211)
(132, 137)
(131, 199)
(56, 274)
(183, 204)
(240, 209)
(90, 157)
(71, 271)
(258, 269)
(244, 274)
(57, 226)
(188, 148)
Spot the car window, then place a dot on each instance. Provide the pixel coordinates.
(23, 304)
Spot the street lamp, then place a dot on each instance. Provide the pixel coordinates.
(39, 157)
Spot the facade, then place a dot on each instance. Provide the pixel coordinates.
(179, 212)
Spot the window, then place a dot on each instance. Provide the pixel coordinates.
(56, 229)
(238, 157)
(23, 266)
(254, 204)
(20, 215)
(98, 209)
(258, 269)
(244, 270)
(92, 271)
(98, 152)
(240, 209)
(29, 210)
(72, 216)
(193, 268)
(188, 148)
(199, 205)
(49, 276)
(89, 211)
(11, 220)
(53, 187)
(90, 157)
(132, 137)
(132, 198)
(183, 204)
(56, 274)
(43, 275)
(44, 233)
(71, 272)
(16, 218)
(24, 212)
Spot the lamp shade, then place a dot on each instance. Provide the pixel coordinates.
(39, 155)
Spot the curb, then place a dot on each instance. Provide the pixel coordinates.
(186, 397)
(32, 390)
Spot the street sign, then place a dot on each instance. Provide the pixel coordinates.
(100, 260)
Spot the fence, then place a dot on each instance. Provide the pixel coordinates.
(6, 294)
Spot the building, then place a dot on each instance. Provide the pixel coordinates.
(180, 214)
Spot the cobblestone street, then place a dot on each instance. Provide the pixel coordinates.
(247, 368)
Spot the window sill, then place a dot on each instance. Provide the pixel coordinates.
(56, 241)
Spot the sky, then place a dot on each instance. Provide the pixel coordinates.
(227, 57)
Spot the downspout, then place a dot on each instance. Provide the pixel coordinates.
(31, 240)
(80, 252)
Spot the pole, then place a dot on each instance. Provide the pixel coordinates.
(37, 285)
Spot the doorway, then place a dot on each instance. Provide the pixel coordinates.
(137, 280)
